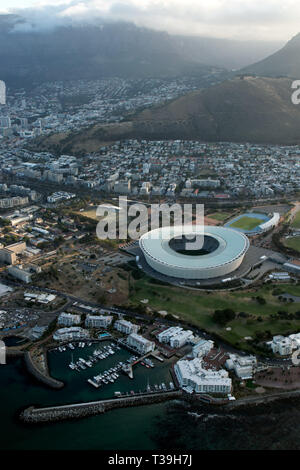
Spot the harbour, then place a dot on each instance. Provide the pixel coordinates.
(103, 368)
(143, 427)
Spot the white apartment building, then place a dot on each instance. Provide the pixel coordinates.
(175, 336)
(202, 348)
(9, 202)
(68, 319)
(181, 338)
(193, 377)
(71, 333)
(282, 345)
(296, 340)
(10, 252)
(41, 298)
(166, 335)
(19, 273)
(243, 366)
(140, 344)
(125, 326)
(98, 321)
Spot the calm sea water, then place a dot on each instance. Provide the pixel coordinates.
(119, 429)
(163, 426)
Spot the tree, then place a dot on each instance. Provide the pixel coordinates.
(223, 316)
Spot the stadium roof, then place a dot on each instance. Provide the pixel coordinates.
(232, 245)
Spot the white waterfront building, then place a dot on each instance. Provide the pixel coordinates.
(68, 319)
(71, 333)
(295, 337)
(181, 338)
(98, 321)
(125, 326)
(282, 345)
(202, 348)
(140, 344)
(166, 335)
(175, 336)
(192, 376)
(243, 366)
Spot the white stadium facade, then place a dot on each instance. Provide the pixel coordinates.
(220, 252)
(273, 222)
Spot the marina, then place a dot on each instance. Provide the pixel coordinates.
(100, 369)
(106, 377)
(137, 427)
(98, 355)
(101, 353)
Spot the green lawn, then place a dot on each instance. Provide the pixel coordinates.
(246, 223)
(221, 216)
(293, 243)
(198, 308)
(296, 221)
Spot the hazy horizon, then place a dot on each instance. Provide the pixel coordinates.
(232, 19)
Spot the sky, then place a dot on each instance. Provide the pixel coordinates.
(235, 19)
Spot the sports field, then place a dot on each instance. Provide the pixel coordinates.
(220, 216)
(296, 221)
(293, 243)
(246, 223)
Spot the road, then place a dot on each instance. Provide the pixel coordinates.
(143, 317)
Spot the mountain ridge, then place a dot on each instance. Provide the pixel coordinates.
(283, 63)
(29, 55)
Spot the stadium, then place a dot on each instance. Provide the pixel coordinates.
(254, 223)
(221, 251)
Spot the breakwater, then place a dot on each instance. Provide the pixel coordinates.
(81, 410)
(46, 379)
(263, 399)
(11, 352)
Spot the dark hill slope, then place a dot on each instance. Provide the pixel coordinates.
(254, 110)
(238, 110)
(284, 63)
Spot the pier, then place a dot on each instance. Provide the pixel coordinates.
(80, 410)
(129, 367)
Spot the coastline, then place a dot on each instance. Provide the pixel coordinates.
(33, 415)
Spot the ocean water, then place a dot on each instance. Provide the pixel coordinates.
(163, 426)
(129, 428)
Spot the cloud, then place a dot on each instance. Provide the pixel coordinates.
(243, 19)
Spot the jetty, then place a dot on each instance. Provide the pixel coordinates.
(35, 415)
(42, 376)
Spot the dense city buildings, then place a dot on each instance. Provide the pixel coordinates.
(135, 167)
